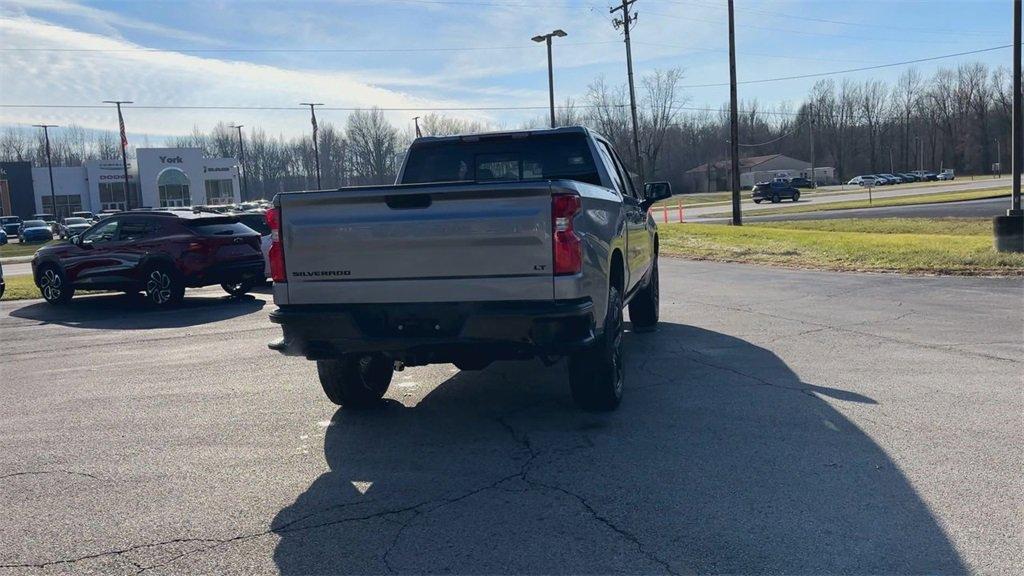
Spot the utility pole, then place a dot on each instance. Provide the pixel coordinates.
(999, 156)
(734, 123)
(416, 120)
(316, 146)
(241, 162)
(49, 164)
(920, 153)
(625, 22)
(551, 75)
(1009, 229)
(124, 150)
(810, 112)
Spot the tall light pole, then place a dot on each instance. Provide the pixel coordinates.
(316, 147)
(625, 22)
(920, 153)
(241, 161)
(734, 122)
(49, 164)
(416, 121)
(551, 75)
(124, 149)
(1009, 229)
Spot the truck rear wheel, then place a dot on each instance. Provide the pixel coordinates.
(356, 381)
(643, 308)
(596, 374)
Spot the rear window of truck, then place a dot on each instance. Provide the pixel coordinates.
(504, 158)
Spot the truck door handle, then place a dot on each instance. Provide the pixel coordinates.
(408, 201)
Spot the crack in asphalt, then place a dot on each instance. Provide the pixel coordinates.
(859, 332)
(41, 472)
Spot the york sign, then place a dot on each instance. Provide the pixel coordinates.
(171, 160)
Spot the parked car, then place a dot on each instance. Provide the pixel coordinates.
(776, 191)
(10, 224)
(50, 220)
(927, 176)
(34, 231)
(946, 175)
(3, 285)
(159, 253)
(866, 180)
(908, 177)
(495, 246)
(72, 226)
(85, 214)
(800, 182)
(258, 222)
(3, 237)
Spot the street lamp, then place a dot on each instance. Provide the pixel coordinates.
(241, 162)
(551, 77)
(49, 164)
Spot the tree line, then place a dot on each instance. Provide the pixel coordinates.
(958, 118)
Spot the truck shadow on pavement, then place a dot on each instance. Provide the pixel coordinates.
(132, 312)
(720, 459)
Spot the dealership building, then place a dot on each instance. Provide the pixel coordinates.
(158, 177)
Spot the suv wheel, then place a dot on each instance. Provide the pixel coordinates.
(163, 287)
(796, 196)
(596, 374)
(238, 288)
(356, 381)
(54, 285)
(643, 308)
(775, 198)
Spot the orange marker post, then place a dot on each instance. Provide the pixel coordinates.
(680, 211)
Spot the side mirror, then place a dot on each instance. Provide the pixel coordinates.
(655, 191)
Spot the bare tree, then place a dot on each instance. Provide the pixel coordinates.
(374, 146)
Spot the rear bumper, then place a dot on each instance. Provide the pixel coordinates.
(440, 332)
(227, 273)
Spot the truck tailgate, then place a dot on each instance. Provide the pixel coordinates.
(420, 243)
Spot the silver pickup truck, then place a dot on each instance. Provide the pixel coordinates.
(495, 246)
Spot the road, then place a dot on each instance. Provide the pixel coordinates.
(779, 421)
(967, 209)
(749, 208)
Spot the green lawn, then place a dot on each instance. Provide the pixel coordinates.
(20, 288)
(877, 203)
(933, 246)
(11, 249)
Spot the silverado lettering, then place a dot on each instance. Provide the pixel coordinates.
(323, 273)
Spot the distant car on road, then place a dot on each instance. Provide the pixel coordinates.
(866, 180)
(72, 226)
(775, 191)
(159, 253)
(10, 224)
(34, 231)
(802, 183)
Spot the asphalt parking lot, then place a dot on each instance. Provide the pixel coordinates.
(779, 421)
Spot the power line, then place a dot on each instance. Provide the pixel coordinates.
(872, 25)
(850, 70)
(777, 30)
(288, 50)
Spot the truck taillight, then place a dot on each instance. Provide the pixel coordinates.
(276, 255)
(566, 246)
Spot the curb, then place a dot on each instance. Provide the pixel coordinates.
(16, 260)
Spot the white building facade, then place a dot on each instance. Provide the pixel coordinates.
(157, 178)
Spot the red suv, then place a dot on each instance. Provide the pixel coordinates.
(160, 253)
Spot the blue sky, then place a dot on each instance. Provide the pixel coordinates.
(442, 53)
